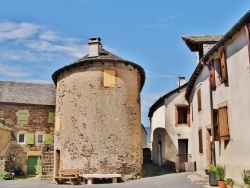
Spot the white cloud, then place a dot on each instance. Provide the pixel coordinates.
(11, 30)
(13, 70)
(148, 99)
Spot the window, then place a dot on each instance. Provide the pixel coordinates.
(21, 138)
(221, 127)
(199, 99)
(58, 124)
(223, 64)
(40, 139)
(109, 79)
(182, 115)
(200, 141)
(212, 75)
(22, 116)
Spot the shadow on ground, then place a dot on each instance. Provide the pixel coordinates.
(150, 170)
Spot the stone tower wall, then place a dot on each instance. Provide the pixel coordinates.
(100, 127)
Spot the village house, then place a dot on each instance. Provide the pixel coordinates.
(218, 94)
(98, 114)
(27, 125)
(170, 130)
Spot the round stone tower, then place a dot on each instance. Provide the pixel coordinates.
(98, 114)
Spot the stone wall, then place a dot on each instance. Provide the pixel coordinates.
(100, 127)
(37, 122)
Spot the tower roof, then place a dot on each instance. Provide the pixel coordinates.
(103, 56)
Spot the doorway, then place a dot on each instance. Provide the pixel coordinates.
(32, 162)
(159, 152)
(183, 150)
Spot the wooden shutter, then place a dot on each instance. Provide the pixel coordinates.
(223, 64)
(188, 116)
(29, 138)
(248, 40)
(200, 141)
(212, 75)
(109, 78)
(199, 99)
(22, 117)
(216, 125)
(176, 116)
(48, 138)
(51, 117)
(58, 123)
(223, 124)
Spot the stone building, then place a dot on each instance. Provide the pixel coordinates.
(27, 114)
(98, 113)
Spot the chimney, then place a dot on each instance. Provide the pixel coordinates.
(181, 81)
(94, 47)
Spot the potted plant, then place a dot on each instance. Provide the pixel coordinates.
(220, 172)
(229, 182)
(246, 177)
(212, 176)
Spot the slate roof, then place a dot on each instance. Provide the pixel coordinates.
(27, 93)
(104, 56)
(195, 41)
(220, 44)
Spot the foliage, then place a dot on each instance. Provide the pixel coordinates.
(220, 172)
(246, 177)
(229, 181)
(39, 166)
(211, 168)
(5, 176)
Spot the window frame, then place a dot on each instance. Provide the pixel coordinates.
(18, 138)
(178, 109)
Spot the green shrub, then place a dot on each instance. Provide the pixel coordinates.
(229, 181)
(39, 166)
(211, 168)
(5, 176)
(246, 177)
(220, 172)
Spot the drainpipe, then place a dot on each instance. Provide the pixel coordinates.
(212, 120)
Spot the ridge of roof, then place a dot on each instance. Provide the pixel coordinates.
(161, 99)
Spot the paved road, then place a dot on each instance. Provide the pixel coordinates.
(173, 180)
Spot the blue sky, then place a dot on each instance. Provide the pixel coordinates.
(39, 37)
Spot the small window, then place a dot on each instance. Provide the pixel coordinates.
(40, 139)
(200, 141)
(21, 138)
(109, 78)
(182, 115)
(199, 99)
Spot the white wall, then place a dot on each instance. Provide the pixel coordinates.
(237, 97)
